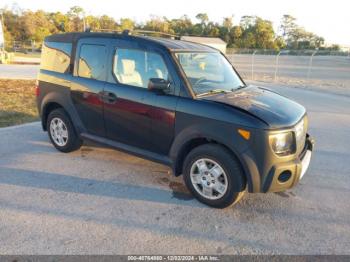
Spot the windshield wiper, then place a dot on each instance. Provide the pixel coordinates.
(214, 91)
(239, 87)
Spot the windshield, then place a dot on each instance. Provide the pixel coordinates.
(209, 72)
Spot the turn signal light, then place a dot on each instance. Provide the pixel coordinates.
(37, 88)
(244, 133)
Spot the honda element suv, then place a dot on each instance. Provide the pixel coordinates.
(178, 103)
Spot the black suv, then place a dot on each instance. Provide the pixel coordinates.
(175, 102)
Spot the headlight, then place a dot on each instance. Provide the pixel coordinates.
(299, 130)
(282, 143)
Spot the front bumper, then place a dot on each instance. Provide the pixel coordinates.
(283, 176)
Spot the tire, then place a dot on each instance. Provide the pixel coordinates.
(226, 172)
(65, 130)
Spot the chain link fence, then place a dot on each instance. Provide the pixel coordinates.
(298, 67)
(21, 52)
(23, 46)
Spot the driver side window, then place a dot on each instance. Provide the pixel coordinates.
(135, 67)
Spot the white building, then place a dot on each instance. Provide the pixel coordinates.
(209, 41)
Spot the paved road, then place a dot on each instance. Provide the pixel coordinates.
(100, 201)
(19, 71)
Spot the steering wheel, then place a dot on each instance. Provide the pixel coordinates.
(201, 79)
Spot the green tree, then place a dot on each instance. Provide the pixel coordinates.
(36, 25)
(319, 41)
(76, 17)
(254, 32)
(235, 36)
(264, 34)
(296, 37)
(279, 43)
(60, 21)
(107, 23)
(127, 23)
(335, 47)
(93, 22)
(228, 23)
(247, 21)
(214, 31)
(203, 18)
(288, 26)
(251, 32)
(159, 24)
(75, 11)
(182, 25)
(13, 29)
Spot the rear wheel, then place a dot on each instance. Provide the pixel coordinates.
(214, 176)
(61, 131)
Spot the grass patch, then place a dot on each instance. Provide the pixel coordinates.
(17, 102)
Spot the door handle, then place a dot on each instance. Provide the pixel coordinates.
(111, 98)
(108, 97)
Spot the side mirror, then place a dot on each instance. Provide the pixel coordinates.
(158, 84)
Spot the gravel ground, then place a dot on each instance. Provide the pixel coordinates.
(100, 201)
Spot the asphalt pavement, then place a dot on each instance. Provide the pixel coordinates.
(19, 71)
(101, 201)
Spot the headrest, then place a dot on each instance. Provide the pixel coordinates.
(128, 66)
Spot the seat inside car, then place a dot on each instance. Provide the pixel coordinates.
(128, 74)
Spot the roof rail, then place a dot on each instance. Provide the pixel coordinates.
(104, 30)
(156, 33)
(137, 32)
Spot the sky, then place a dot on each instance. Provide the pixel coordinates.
(330, 19)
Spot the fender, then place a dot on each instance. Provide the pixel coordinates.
(194, 132)
(62, 97)
(208, 133)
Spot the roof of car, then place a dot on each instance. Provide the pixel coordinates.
(171, 44)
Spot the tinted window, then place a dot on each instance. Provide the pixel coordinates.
(136, 67)
(92, 61)
(56, 56)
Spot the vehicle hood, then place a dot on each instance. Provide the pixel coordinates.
(275, 110)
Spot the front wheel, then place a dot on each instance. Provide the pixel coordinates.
(61, 131)
(214, 176)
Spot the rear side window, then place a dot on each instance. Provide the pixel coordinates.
(56, 56)
(92, 61)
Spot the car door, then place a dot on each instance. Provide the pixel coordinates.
(163, 105)
(89, 76)
(126, 112)
(130, 118)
